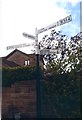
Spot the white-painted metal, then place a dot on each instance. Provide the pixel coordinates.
(49, 51)
(36, 44)
(58, 23)
(19, 46)
(29, 36)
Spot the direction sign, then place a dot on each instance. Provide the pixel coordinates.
(49, 51)
(29, 36)
(58, 23)
(19, 46)
(44, 51)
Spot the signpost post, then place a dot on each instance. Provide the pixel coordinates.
(38, 90)
(38, 94)
(44, 51)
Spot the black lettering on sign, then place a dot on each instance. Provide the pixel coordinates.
(57, 23)
(61, 22)
(52, 27)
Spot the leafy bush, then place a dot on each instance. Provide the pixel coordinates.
(61, 96)
(11, 75)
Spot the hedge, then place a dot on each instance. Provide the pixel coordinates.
(12, 75)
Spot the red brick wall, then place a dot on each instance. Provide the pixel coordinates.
(19, 58)
(22, 96)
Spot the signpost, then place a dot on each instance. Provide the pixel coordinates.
(38, 94)
(29, 36)
(49, 51)
(44, 51)
(58, 23)
(19, 46)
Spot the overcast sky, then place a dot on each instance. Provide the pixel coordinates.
(18, 16)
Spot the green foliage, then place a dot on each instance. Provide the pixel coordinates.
(68, 52)
(12, 75)
(61, 95)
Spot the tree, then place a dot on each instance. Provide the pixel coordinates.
(61, 88)
(67, 56)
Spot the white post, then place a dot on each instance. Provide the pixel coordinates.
(36, 42)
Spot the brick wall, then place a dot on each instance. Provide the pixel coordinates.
(21, 97)
(19, 58)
